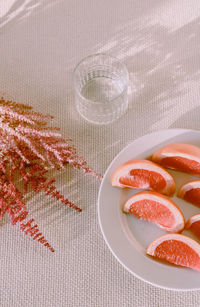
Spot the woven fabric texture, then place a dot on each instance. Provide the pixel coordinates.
(41, 42)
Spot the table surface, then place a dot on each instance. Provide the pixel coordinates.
(41, 42)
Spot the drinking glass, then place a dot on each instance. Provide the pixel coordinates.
(101, 83)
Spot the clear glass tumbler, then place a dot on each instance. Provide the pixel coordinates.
(101, 83)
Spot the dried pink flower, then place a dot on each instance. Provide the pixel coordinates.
(30, 148)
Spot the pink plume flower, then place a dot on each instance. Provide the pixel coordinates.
(30, 148)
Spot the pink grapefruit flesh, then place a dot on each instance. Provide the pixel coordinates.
(193, 224)
(156, 208)
(190, 192)
(144, 174)
(176, 249)
(180, 157)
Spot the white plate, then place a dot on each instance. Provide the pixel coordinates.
(128, 237)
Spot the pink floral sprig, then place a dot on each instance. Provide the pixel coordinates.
(30, 148)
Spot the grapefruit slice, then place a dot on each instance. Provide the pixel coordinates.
(179, 156)
(177, 249)
(144, 174)
(157, 208)
(193, 224)
(190, 192)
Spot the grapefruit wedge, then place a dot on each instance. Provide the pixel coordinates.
(176, 249)
(193, 224)
(144, 174)
(190, 192)
(156, 208)
(179, 156)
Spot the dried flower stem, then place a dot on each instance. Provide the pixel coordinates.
(29, 149)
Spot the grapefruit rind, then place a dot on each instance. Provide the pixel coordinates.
(188, 186)
(187, 151)
(192, 219)
(125, 169)
(163, 200)
(151, 250)
(173, 236)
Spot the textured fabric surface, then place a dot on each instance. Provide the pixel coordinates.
(41, 42)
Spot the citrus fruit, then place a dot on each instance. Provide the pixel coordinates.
(190, 192)
(157, 208)
(144, 174)
(194, 224)
(177, 249)
(179, 156)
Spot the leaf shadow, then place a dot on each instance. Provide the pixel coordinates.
(16, 10)
(161, 76)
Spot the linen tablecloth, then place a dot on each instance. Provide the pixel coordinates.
(41, 41)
